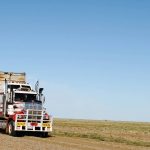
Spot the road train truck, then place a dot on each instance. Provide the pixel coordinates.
(21, 107)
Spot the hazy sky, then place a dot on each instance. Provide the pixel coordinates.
(91, 56)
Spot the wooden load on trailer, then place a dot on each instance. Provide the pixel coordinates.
(11, 77)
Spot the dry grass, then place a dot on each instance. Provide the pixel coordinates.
(85, 135)
(129, 133)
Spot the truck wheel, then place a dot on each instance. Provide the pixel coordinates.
(19, 134)
(44, 134)
(11, 130)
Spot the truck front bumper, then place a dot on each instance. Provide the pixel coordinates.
(33, 120)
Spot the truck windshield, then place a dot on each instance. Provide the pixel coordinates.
(25, 97)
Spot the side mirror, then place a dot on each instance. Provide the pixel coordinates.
(41, 90)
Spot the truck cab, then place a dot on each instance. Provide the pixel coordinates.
(21, 107)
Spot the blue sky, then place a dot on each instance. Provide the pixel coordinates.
(91, 56)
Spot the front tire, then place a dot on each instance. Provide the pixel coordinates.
(11, 129)
(44, 134)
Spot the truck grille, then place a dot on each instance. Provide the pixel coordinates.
(35, 106)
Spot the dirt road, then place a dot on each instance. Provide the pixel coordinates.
(59, 143)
